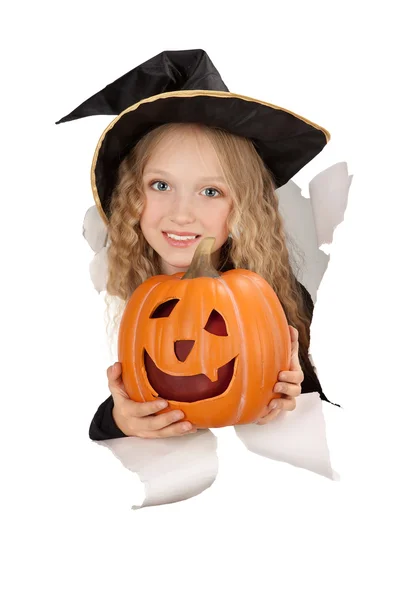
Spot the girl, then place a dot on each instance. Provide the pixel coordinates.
(167, 175)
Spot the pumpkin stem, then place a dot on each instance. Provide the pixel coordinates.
(201, 265)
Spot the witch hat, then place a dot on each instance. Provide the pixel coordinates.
(183, 86)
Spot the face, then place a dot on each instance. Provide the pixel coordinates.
(186, 198)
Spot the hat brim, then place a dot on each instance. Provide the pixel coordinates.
(285, 141)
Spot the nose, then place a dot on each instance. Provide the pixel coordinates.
(182, 211)
(182, 349)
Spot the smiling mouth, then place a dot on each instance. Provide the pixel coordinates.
(181, 240)
(187, 388)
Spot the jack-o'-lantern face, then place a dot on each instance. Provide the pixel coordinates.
(210, 343)
(196, 360)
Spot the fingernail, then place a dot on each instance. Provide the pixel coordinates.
(273, 404)
(162, 404)
(186, 426)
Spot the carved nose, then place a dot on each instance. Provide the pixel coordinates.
(183, 348)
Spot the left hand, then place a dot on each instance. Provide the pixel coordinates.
(290, 386)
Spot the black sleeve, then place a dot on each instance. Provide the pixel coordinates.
(311, 384)
(307, 299)
(103, 426)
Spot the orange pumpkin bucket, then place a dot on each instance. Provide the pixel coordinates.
(210, 343)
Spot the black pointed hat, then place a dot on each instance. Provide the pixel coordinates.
(183, 86)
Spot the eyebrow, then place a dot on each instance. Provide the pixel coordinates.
(205, 178)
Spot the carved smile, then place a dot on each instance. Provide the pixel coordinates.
(187, 388)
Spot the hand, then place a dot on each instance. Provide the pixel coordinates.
(135, 418)
(290, 388)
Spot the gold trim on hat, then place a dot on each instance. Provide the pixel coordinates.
(181, 94)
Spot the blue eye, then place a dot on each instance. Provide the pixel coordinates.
(162, 186)
(158, 184)
(212, 190)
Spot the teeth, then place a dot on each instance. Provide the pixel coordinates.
(181, 237)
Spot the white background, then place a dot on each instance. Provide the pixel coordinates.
(263, 529)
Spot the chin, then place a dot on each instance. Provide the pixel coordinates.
(178, 262)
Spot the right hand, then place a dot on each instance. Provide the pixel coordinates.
(135, 418)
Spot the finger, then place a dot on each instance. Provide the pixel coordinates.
(114, 376)
(176, 429)
(144, 409)
(278, 405)
(282, 404)
(163, 420)
(289, 377)
(294, 358)
(288, 389)
(114, 372)
(269, 417)
(287, 404)
(268, 409)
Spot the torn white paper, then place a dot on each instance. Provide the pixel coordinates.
(297, 437)
(310, 222)
(94, 229)
(178, 468)
(329, 192)
(98, 270)
(171, 469)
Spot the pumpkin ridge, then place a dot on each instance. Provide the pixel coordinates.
(267, 305)
(138, 320)
(243, 350)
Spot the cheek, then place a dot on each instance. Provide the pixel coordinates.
(215, 219)
(152, 213)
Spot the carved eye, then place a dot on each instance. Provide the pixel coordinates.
(216, 324)
(164, 309)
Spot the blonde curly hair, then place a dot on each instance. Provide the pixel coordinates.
(257, 239)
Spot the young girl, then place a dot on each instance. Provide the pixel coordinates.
(171, 175)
